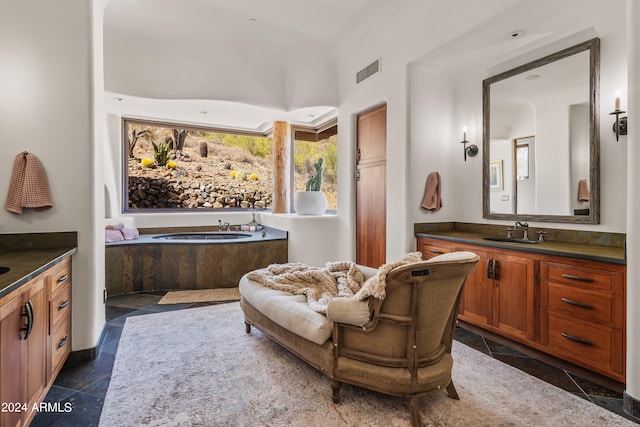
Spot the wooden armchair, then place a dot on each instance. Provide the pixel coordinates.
(405, 348)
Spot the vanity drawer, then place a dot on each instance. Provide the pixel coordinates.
(60, 306)
(430, 250)
(60, 345)
(583, 341)
(582, 277)
(573, 301)
(59, 275)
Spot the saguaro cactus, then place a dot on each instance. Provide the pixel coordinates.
(315, 181)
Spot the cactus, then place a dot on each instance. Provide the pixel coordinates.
(315, 181)
(204, 148)
(161, 152)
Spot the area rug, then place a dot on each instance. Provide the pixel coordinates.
(201, 295)
(198, 367)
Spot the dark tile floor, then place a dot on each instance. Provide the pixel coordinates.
(85, 385)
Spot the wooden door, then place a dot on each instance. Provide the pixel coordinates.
(11, 321)
(514, 306)
(476, 300)
(36, 347)
(371, 197)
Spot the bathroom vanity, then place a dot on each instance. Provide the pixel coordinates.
(564, 298)
(35, 321)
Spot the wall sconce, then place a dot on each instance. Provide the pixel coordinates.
(471, 150)
(620, 125)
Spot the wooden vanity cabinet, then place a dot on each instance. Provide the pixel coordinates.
(29, 331)
(583, 314)
(23, 344)
(500, 294)
(570, 308)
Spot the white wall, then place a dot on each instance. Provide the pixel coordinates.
(46, 108)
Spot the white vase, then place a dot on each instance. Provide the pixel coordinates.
(310, 202)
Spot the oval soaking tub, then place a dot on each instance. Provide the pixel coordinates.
(203, 236)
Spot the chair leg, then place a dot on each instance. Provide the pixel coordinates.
(414, 410)
(451, 389)
(335, 388)
(247, 327)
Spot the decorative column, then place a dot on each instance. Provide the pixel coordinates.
(281, 169)
(631, 398)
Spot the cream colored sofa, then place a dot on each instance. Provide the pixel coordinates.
(400, 345)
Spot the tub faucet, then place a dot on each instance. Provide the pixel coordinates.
(223, 226)
(524, 225)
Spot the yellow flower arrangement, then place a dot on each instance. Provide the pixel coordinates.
(233, 174)
(253, 177)
(171, 165)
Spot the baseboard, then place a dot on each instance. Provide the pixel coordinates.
(631, 405)
(85, 355)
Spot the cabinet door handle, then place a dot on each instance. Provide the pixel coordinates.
(435, 251)
(489, 274)
(28, 308)
(576, 339)
(578, 278)
(62, 342)
(496, 271)
(577, 303)
(62, 278)
(63, 305)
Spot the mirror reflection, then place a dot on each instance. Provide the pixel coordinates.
(540, 140)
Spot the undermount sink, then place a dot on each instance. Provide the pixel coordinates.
(4, 270)
(511, 240)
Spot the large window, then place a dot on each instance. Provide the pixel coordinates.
(170, 166)
(309, 146)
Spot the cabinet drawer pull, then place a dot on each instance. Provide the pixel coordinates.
(435, 251)
(576, 339)
(578, 278)
(28, 313)
(62, 342)
(63, 305)
(489, 274)
(577, 304)
(62, 278)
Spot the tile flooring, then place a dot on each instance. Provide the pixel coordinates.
(85, 385)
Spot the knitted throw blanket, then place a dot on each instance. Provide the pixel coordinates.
(321, 284)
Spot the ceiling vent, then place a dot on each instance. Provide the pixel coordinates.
(368, 71)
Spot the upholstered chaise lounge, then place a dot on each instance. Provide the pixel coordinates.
(400, 345)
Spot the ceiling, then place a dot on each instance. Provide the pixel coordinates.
(153, 47)
(244, 64)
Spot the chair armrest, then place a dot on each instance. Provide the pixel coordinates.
(349, 311)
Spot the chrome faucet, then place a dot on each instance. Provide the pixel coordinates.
(223, 226)
(524, 225)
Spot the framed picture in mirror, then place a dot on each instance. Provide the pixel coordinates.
(495, 175)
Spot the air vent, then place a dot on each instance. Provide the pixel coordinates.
(368, 71)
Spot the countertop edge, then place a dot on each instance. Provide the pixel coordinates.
(25, 279)
(525, 248)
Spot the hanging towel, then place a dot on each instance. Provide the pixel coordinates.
(432, 199)
(583, 191)
(28, 187)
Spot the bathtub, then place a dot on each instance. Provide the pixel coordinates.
(189, 258)
(204, 236)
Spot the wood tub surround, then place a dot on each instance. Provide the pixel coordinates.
(147, 265)
(570, 305)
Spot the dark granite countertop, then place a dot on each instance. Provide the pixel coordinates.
(27, 264)
(30, 254)
(593, 252)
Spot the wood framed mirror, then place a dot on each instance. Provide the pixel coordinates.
(551, 107)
